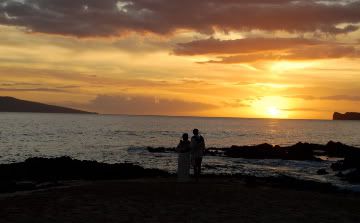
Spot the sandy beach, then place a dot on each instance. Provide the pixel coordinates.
(165, 200)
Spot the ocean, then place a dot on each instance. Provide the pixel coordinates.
(121, 138)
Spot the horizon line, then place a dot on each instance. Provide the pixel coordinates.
(173, 116)
(219, 117)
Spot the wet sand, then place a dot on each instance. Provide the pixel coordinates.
(165, 200)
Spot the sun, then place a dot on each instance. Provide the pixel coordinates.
(273, 112)
(271, 107)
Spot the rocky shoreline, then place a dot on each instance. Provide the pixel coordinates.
(41, 173)
(348, 167)
(38, 173)
(299, 151)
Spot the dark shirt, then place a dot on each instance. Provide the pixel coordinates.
(197, 146)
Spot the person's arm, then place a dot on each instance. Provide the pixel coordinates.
(178, 148)
(192, 144)
(202, 143)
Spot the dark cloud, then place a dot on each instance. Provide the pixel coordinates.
(15, 84)
(323, 52)
(310, 52)
(331, 97)
(303, 109)
(342, 98)
(337, 69)
(263, 49)
(305, 97)
(68, 87)
(141, 105)
(247, 45)
(90, 18)
(236, 103)
(33, 89)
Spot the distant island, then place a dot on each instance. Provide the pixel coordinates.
(346, 116)
(10, 104)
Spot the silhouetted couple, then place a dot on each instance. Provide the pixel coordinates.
(190, 152)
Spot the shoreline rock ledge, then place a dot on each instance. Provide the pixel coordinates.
(346, 116)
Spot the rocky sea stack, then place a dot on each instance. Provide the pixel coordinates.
(346, 116)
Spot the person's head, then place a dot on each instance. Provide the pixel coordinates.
(185, 137)
(196, 132)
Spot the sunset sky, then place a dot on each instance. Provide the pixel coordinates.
(238, 58)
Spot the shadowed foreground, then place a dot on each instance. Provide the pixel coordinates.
(163, 200)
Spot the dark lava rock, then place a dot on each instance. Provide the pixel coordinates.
(322, 172)
(338, 166)
(351, 162)
(337, 149)
(352, 176)
(157, 149)
(25, 185)
(65, 168)
(214, 151)
(160, 149)
(7, 186)
(300, 151)
(262, 151)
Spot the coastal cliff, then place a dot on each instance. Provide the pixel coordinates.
(346, 116)
(10, 104)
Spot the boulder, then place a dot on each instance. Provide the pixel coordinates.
(156, 149)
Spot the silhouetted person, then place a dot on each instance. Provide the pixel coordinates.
(197, 151)
(183, 149)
